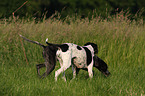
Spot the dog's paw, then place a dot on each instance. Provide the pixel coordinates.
(55, 79)
(64, 78)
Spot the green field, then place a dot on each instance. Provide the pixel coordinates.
(121, 45)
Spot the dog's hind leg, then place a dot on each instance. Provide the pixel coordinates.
(66, 64)
(38, 66)
(61, 63)
(49, 69)
(62, 69)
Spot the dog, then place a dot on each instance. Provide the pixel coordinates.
(70, 54)
(49, 54)
(77, 57)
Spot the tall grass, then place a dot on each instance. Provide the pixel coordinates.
(120, 42)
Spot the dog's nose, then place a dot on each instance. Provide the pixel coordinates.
(107, 73)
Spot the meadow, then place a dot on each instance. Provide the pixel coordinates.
(121, 44)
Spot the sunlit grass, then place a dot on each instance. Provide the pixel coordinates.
(120, 42)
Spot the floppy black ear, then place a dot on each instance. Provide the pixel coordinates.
(96, 63)
(101, 65)
(95, 47)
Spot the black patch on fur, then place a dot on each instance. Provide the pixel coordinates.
(79, 48)
(89, 55)
(95, 47)
(64, 47)
(100, 64)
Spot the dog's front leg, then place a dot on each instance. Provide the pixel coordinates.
(90, 67)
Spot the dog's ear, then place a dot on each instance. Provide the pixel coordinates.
(95, 47)
(101, 66)
(96, 63)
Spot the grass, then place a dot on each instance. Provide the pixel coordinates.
(121, 46)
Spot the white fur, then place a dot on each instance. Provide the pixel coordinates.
(46, 40)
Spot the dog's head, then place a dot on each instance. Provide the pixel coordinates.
(101, 66)
(95, 47)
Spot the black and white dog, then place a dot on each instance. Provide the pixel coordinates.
(69, 54)
(77, 57)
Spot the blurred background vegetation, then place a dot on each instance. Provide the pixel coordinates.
(82, 8)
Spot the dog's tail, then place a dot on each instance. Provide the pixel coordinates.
(35, 42)
(46, 41)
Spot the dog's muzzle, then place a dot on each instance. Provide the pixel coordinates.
(107, 73)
